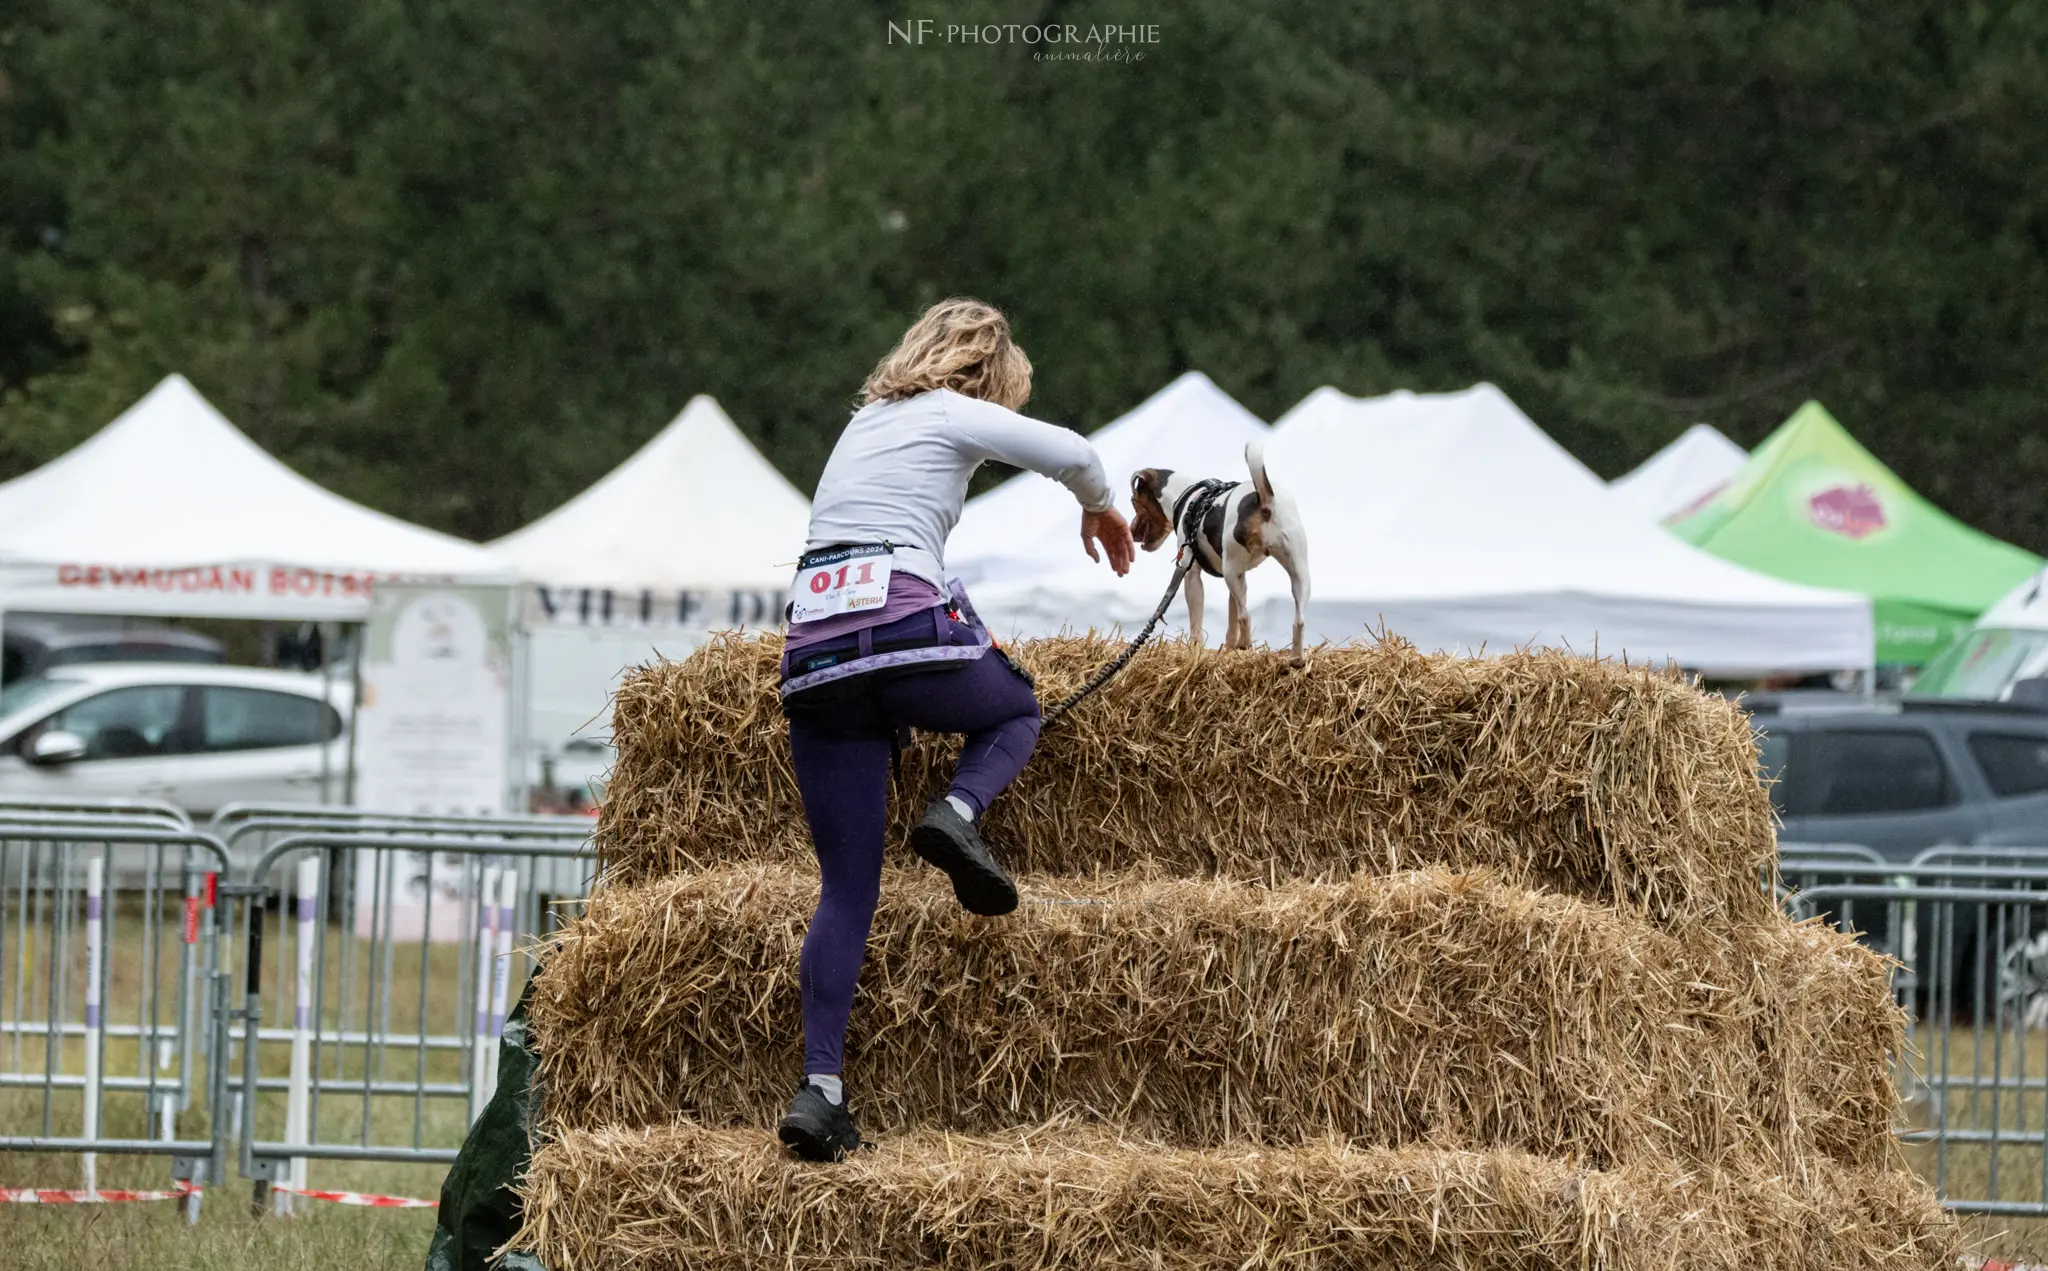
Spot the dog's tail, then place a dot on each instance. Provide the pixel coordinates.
(1255, 459)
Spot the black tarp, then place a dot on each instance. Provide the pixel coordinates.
(479, 1209)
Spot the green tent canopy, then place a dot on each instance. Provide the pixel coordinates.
(1813, 506)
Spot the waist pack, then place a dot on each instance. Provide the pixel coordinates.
(835, 673)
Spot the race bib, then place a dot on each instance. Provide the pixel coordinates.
(840, 580)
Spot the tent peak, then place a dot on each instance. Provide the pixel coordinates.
(739, 525)
(1814, 505)
(701, 411)
(170, 508)
(1685, 475)
(1329, 397)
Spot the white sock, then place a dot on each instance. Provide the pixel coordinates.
(963, 807)
(828, 1085)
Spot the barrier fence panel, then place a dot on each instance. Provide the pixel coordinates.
(109, 978)
(232, 814)
(1968, 928)
(392, 959)
(248, 830)
(52, 810)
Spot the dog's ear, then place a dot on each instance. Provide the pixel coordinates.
(1150, 525)
(1150, 483)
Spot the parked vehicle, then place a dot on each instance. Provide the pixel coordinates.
(1900, 779)
(198, 736)
(31, 645)
(1904, 777)
(571, 778)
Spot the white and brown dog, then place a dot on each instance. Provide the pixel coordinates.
(1245, 523)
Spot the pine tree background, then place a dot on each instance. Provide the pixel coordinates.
(456, 259)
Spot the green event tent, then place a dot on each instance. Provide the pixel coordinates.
(1813, 506)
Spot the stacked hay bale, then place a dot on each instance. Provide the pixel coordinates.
(1398, 961)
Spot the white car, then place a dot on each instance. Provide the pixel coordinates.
(197, 736)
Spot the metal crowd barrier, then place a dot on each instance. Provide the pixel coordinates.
(150, 810)
(238, 824)
(395, 942)
(402, 956)
(1967, 928)
(110, 981)
(230, 818)
(251, 830)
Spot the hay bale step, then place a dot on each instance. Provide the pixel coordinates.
(1387, 1010)
(1050, 1199)
(1594, 779)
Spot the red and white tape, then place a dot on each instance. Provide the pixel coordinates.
(106, 1196)
(368, 1200)
(111, 1196)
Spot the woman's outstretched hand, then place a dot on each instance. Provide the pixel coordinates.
(1114, 533)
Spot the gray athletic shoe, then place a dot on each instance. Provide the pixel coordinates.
(816, 1128)
(950, 841)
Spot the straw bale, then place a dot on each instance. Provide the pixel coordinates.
(1052, 1198)
(1827, 1033)
(1383, 1009)
(1600, 780)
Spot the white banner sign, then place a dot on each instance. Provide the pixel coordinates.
(437, 702)
(709, 609)
(434, 737)
(229, 589)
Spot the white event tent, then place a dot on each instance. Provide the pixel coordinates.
(2024, 608)
(695, 532)
(2007, 648)
(696, 529)
(170, 510)
(1029, 527)
(1681, 476)
(1454, 521)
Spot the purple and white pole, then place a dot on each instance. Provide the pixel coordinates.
(486, 946)
(298, 1111)
(95, 972)
(501, 969)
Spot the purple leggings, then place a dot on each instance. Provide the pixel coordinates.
(842, 769)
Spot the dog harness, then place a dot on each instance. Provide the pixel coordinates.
(1190, 510)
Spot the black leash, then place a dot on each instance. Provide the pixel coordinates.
(1195, 506)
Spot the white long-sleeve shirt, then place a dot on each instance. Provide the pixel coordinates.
(899, 473)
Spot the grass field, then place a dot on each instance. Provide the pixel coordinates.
(327, 1237)
(2007, 1072)
(330, 1238)
(324, 1237)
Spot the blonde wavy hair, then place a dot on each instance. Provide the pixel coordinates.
(961, 344)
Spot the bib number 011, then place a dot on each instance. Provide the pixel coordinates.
(840, 580)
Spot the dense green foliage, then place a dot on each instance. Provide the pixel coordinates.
(456, 258)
